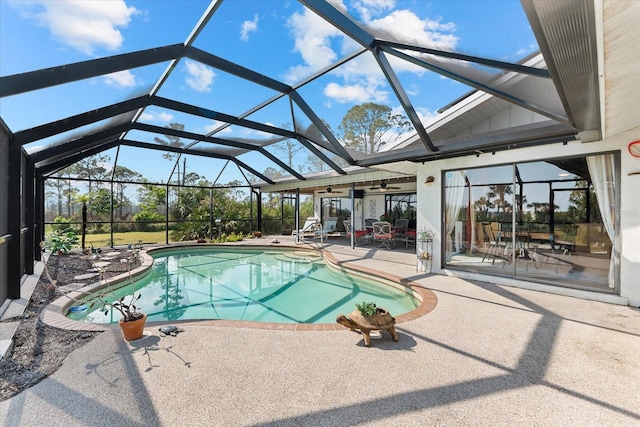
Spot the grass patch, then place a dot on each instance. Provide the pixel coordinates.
(103, 239)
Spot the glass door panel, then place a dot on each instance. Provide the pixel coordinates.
(544, 220)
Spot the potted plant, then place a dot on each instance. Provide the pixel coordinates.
(368, 317)
(367, 308)
(60, 241)
(133, 320)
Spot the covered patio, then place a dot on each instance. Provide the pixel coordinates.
(486, 355)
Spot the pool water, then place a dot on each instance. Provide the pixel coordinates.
(252, 285)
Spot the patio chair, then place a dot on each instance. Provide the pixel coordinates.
(361, 237)
(309, 228)
(409, 238)
(493, 246)
(383, 234)
(368, 222)
(328, 227)
(401, 225)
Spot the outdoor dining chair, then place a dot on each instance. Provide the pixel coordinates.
(383, 234)
(360, 237)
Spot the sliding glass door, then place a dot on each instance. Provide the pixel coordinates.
(552, 221)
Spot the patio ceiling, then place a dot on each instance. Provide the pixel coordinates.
(558, 83)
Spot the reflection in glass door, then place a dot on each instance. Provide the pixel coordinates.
(544, 221)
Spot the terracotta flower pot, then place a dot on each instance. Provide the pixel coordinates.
(133, 330)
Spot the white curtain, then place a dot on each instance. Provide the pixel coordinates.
(602, 171)
(472, 211)
(454, 192)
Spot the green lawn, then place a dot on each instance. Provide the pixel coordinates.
(103, 239)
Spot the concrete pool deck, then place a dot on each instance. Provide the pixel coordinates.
(486, 355)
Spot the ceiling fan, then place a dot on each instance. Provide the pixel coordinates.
(330, 190)
(384, 187)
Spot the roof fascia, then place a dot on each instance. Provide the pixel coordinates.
(540, 133)
(362, 176)
(567, 35)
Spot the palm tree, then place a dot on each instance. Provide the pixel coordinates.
(500, 191)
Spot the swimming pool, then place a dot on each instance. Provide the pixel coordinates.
(252, 284)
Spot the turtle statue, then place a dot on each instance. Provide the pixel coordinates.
(379, 321)
(170, 330)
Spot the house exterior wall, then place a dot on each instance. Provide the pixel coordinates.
(620, 90)
(429, 216)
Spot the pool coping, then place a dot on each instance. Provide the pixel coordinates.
(53, 314)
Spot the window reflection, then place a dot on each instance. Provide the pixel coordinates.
(552, 221)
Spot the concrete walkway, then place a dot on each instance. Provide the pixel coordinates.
(487, 355)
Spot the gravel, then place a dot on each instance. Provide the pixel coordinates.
(38, 349)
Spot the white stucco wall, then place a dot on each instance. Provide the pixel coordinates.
(429, 216)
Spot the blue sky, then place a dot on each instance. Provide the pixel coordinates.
(280, 39)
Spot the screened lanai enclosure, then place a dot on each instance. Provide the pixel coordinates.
(236, 117)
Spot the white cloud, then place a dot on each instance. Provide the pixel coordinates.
(426, 116)
(156, 116)
(406, 27)
(361, 80)
(338, 4)
(200, 77)
(84, 25)
(312, 36)
(368, 8)
(412, 90)
(355, 93)
(121, 79)
(215, 125)
(248, 27)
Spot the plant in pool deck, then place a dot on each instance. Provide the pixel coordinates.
(108, 300)
(368, 317)
(133, 320)
(224, 238)
(60, 241)
(367, 308)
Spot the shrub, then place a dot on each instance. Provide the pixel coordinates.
(147, 221)
(61, 241)
(233, 237)
(60, 223)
